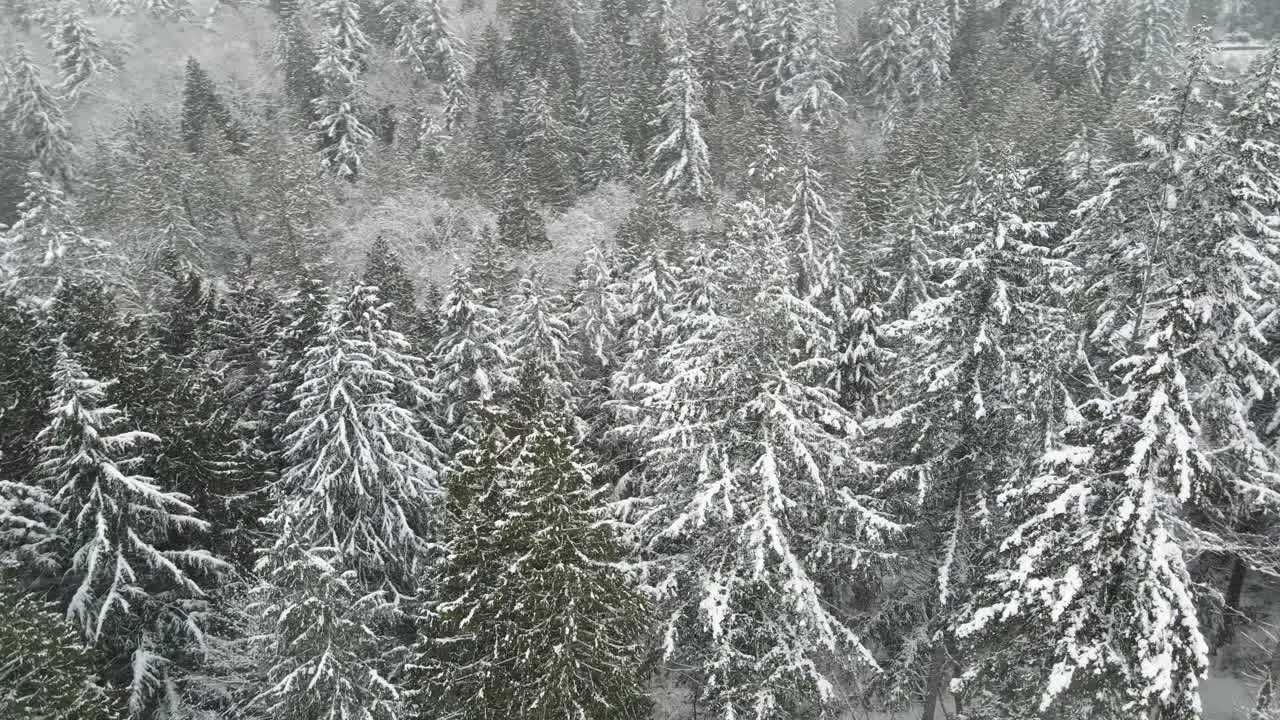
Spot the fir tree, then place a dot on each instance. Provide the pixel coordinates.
(534, 616)
(752, 488)
(79, 52)
(37, 117)
(678, 153)
(1097, 552)
(539, 333)
(385, 271)
(352, 520)
(45, 671)
(46, 246)
(101, 541)
(342, 58)
(203, 112)
(959, 417)
(424, 42)
(472, 358)
(799, 70)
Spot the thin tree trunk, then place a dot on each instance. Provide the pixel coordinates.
(1231, 606)
(933, 690)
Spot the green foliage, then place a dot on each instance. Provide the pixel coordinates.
(532, 618)
(204, 113)
(45, 671)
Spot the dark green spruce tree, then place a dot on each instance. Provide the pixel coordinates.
(533, 615)
(45, 671)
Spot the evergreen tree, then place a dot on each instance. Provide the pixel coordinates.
(79, 52)
(1150, 34)
(533, 617)
(960, 413)
(472, 357)
(800, 70)
(45, 672)
(384, 270)
(23, 375)
(100, 540)
(608, 156)
(342, 58)
(543, 44)
(287, 209)
(541, 147)
(203, 112)
(752, 489)
(1097, 556)
(678, 153)
(539, 333)
(45, 246)
(351, 523)
(520, 224)
(907, 60)
(37, 117)
(425, 43)
(302, 83)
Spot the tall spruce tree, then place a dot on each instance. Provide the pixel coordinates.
(45, 670)
(678, 153)
(106, 544)
(37, 117)
(534, 616)
(752, 488)
(352, 521)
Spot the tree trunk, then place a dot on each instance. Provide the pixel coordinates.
(933, 690)
(1231, 606)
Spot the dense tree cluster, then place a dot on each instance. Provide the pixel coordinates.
(930, 361)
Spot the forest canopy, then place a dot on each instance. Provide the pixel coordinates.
(626, 359)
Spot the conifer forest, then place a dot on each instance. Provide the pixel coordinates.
(640, 359)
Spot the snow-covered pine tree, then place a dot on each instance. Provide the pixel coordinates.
(1142, 199)
(79, 52)
(544, 44)
(809, 224)
(1096, 562)
(352, 521)
(534, 616)
(424, 42)
(646, 323)
(541, 149)
(539, 333)
(37, 117)
(753, 487)
(609, 98)
(595, 314)
(204, 114)
(861, 358)
(385, 270)
(677, 153)
(1078, 37)
(1150, 37)
(45, 246)
(45, 670)
(106, 549)
(472, 357)
(956, 417)
(341, 59)
(22, 375)
(800, 70)
(287, 208)
(899, 264)
(908, 58)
